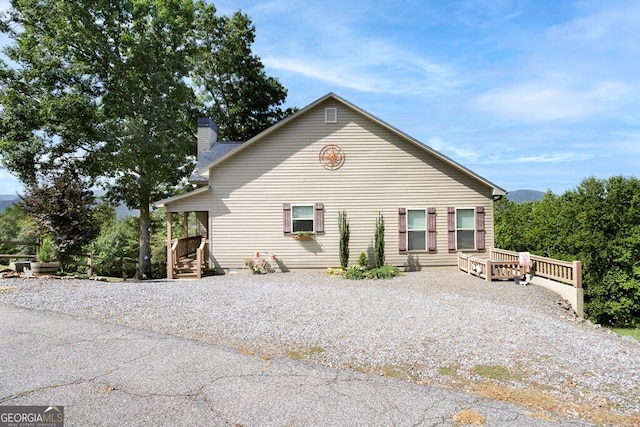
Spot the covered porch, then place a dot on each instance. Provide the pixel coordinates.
(188, 255)
(188, 239)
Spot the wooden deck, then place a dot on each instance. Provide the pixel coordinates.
(562, 277)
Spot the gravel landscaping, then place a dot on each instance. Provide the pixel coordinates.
(438, 327)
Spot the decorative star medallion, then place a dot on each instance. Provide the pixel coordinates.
(331, 157)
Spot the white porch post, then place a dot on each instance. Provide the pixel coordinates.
(169, 243)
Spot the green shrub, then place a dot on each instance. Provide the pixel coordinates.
(378, 244)
(363, 261)
(343, 226)
(117, 239)
(354, 273)
(47, 253)
(384, 272)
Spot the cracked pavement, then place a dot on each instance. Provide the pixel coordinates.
(106, 374)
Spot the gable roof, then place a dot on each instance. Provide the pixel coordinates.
(203, 167)
(217, 150)
(162, 203)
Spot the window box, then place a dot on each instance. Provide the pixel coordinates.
(304, 236)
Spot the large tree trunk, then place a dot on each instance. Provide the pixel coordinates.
(144, 257)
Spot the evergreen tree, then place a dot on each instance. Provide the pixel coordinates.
(343, 227)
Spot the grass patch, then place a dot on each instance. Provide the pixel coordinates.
(494, 372)
(303, 354)
(598, 412)
(468, 417)
(451, 371)
(629, 332)
(529, 398)
(397, 372)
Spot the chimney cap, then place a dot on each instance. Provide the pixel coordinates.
(205, 122)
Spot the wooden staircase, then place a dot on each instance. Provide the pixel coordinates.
(186, 268)
(187, 257)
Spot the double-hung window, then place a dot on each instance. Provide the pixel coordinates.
(465, 229)
(416, 230)
(302, 218)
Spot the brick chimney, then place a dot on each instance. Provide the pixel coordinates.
(207, 134)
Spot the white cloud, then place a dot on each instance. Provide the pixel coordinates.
(486, 13)
(458, 152)
(337, 44)
(543, 101)
(385, 75)
(585, 68)
(496, 154)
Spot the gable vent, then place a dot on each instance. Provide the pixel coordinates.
(330, 115)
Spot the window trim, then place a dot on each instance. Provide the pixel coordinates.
(312, 218)
(425, 230)
(474, 229)
(331, 115)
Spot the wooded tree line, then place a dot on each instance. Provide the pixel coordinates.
(110, 91)
(112, 238)
(597, 223)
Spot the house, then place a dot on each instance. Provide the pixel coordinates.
(299, 174)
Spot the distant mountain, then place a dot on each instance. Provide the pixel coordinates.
(5, 203)
(521, 196)
(7, 200)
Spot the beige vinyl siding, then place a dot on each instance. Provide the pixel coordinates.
(201, 201)
(382, 172)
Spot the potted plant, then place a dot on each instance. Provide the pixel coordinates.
(46, 263)
(303, 235)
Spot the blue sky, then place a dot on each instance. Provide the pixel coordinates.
(530, 94)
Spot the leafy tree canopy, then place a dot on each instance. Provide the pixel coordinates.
(62, 208)
(597, 223)
(115, 87)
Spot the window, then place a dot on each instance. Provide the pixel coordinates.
(416, 230)
(465, 229)
(330, 115)
(297, 218)
(302, 218)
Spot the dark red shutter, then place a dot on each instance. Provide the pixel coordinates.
(431, 229)
(480, 234)
(451, 228)
(286, 218)
(319, 218)
(402, 230)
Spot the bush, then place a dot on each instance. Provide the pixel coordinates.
(378, 243)
(62, 206)
(117, 239)
(384, 272)
(597, 223)
(363, 261)
(359, 272)
(343, 226)
(354, 273)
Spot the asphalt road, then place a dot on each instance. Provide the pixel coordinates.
(110, 375)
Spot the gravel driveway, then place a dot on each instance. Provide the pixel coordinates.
(438, 327)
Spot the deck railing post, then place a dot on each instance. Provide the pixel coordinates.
(577, 274)
(487, 272)
(89, 265)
